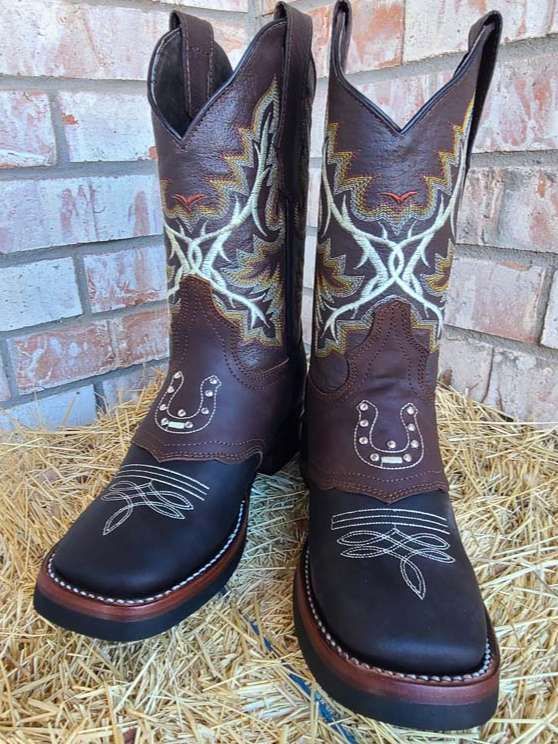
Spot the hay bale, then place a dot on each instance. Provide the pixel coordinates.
(233, 671)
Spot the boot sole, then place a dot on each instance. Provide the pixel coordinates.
(426, 702)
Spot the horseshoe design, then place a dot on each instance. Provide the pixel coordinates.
(391, 457)
(180, 423)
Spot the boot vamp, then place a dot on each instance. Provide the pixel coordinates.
(154, 525)
(393, 584)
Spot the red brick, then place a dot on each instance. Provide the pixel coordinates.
(40, 213)
(102, 42)
(529, 209)
(550, 331)
(309, 261)
(465, 365)
(445, 28)
(106, 126)
(26, 133)
(314, 195)
(480, 208)
(503, 298)
(520, 112)
(126, 278)
(377, 37)
(307, 303)
(524, 386)
(38, 292)
(128, 385)
(318, 119)
(232, 5)
(141, 337)
(71, 352)
(69, 408)
(401, 98)
(321, 23)
(4, 387)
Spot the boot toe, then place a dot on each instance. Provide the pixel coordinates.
(137, 547)
(397, 604)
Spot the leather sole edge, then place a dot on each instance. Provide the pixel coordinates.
(430, 704)
(115, 620)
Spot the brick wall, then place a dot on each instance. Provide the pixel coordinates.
(82, 314)
(501, 338)
(82, 271)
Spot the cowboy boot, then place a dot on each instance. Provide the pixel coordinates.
(168, 531)
(388, 611)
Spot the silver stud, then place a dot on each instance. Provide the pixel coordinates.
(391, 444)
(363, 406)
(209, 394)
(213, 380)
(182, 413)
(163, 407)
(411, 427)
(374, 457)
(205, 411)
(407, 458)
(177, 375)
(414, 444)
(363, 440)
(364, 422)
(188, 424)
(411, 410)
(164, 421)
(170, 389)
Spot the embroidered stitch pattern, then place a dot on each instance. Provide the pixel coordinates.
(179, 422)
(395, 245)
(140, 485)
(426, 542)
(391, 457)
(245, 281)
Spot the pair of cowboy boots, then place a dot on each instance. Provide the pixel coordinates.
(387, 607)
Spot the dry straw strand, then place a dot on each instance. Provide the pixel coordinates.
(233, 672)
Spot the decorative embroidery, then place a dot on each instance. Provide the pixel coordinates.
(426, 542)
(179, 422)
(244, 275)
(140, 485)
(396, 252)
(391, 457)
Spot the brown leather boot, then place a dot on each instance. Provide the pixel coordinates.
(168, 531)
(388, 611)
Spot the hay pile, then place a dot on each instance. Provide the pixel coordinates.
(233, 672)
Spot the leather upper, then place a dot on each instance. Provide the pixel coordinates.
(233, 184)
(389, 203)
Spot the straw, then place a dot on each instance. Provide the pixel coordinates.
(233, 671)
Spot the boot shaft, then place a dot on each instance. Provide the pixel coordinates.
(233, 152)
(234, 203)
(389, 203)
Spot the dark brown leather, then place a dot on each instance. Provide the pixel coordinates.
(389, 202)
(233, 184)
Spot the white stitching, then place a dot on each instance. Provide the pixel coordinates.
(483, 669)
(395, 543)
(160, 595)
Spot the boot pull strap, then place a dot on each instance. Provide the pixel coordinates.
(340, 36)
(197, 59)
(491, 26)
(298, 53)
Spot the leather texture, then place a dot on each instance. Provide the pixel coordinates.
(391, 580)
(232, 154)
(389, 203)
